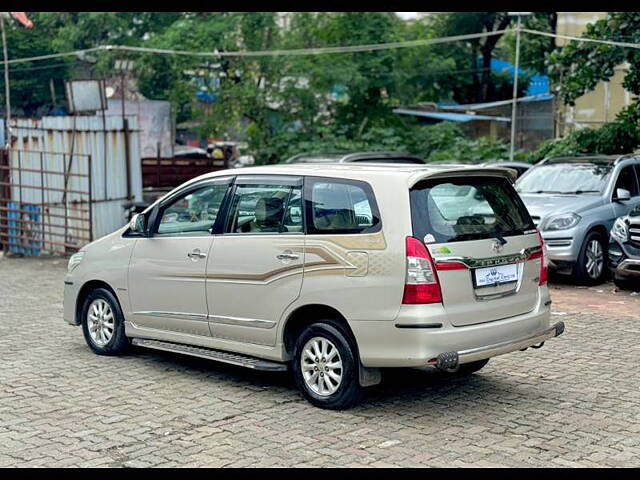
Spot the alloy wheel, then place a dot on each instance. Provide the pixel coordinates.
(321, 366)
(100, 322)
(595, 259)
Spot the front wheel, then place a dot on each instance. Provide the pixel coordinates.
(325, 367)
(103, 323)
(591, 266)
(625, 283)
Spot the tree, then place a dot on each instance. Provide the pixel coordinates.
(578, 67)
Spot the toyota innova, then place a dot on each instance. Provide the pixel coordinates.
(331, 271)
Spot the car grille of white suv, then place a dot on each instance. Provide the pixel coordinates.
(634, 231)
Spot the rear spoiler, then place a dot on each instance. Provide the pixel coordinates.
(464, 171)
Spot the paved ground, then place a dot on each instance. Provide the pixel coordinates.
(574, 402)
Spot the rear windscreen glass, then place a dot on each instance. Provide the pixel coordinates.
(467, 208)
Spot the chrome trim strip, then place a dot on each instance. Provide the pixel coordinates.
(243, 322)
(178, 315)
(480, 353)
(471, 262)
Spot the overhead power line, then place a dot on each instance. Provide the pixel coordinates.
(318, 50)
(268, 53)
(583, 39)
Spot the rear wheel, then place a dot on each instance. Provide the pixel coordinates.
(469, 368)
(591, 265)
(325, 367)
(103, 323)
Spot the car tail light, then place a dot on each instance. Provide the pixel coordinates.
(421, 284)
(544, 262)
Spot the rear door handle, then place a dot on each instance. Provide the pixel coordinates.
(195, 254)
(288, 255)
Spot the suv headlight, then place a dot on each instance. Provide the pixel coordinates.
(620, 231)
(74, 261)
(562, 222)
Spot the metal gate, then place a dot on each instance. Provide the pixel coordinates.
(45, 202)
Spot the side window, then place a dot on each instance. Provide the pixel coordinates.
(194, 212)
(266, 208)
(337, 206)
(627, 180)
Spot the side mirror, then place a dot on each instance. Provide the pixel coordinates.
(137, 224)
(622, 195)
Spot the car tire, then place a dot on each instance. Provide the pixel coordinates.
(469, 368)
(586, 270)
(625, 283)
(325, 367)
(103, 323)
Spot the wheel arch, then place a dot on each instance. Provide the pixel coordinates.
(305, 315)
(87, 288)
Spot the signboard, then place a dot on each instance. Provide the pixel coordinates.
(154, 123)
(86, 95)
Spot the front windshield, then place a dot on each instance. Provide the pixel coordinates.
(565, 179)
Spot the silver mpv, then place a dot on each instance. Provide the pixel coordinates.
(330, 271)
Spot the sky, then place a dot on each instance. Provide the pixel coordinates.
(407, 15)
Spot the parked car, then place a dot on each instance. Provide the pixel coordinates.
(368, 157)
(624, 251)
(333, 272)
(574, 202)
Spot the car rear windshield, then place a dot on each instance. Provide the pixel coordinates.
(467, 208)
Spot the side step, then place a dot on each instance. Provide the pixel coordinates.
(211, 354)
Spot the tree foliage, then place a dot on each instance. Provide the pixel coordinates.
(578, 67)
(337, 101)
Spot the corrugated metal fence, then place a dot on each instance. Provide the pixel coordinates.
(74, 173)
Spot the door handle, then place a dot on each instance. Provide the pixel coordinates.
(288, 255)
(195, 254)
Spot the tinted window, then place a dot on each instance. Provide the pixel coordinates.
(627, 180)
(340, 206)
(564, 178)
(266, 208)
(467, 208)
(194, 212)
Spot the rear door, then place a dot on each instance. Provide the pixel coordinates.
(481, 239)
(255, 270)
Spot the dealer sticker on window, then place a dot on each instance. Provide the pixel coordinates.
(497, 275)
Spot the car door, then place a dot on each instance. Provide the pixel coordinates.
(255, 268)
(628, 180)
(167, 269)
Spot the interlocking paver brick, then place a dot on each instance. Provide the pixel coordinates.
(572, 403)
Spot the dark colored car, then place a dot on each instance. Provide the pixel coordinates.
(624, 251)
(365, 157)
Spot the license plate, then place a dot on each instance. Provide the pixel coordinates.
(490, 276)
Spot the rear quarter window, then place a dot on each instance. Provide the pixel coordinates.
(467, 208)
(339, 206)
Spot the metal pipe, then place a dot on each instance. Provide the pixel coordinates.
(7, 91)
(515, 92)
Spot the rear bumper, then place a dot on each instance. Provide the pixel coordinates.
(422, 332)
(453, 359)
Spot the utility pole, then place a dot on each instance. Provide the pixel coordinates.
(515, 83)
(6, 83)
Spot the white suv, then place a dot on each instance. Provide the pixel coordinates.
(332, 271)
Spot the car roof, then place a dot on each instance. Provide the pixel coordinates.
(361, 171)
(344, 157)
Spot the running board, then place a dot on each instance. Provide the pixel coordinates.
(211, 354)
